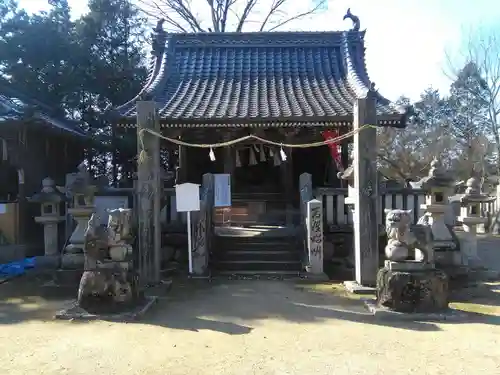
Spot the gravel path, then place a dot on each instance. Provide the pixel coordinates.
(241, 327)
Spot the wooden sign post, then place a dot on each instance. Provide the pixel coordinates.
(187, 200)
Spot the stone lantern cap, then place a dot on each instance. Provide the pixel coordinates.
(437, 177)
(83, 182)
(49, 193)
(473, 192)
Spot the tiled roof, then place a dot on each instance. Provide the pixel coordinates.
(221, 78)
(14, 106)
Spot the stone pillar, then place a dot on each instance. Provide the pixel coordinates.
(306, 192)
(50, 199)
(315, 237)
(203, 228)
(365, 213)
(148, 185)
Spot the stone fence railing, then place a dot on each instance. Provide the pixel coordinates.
(337, 214)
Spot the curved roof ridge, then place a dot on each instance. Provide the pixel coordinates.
(187, 69)
(358, 74)
(356, 81)
(15, 101)
(155, 74)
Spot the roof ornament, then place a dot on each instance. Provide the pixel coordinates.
(158, 38)
(159, 25)
(353, 18)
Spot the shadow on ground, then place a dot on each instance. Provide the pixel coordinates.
(235, 307)
(23, 299)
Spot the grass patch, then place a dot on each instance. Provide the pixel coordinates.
(336, 289)
(476, 308)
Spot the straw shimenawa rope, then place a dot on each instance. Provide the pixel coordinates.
(143, 153)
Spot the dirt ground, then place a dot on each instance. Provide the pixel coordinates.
(247, 327)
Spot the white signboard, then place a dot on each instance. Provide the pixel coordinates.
(104, 203)
(3, 208)
(222, 190)
(187, 197)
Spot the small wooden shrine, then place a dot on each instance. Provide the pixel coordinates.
(35, 144)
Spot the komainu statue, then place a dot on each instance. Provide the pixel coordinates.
(404, 239)
(107, 284)
(406, 283)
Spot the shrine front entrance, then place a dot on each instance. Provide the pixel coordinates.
(252, 175)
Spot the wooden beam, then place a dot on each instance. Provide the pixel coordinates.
(366, 193)
(148, 191)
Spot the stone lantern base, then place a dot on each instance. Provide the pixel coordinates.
(412, 287)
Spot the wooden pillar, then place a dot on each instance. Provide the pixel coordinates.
(229, 158)
(287, 180)
(149, 193)
(21, 207)
(229, 166)
(366, 193)
(344, 157)
(182, 165)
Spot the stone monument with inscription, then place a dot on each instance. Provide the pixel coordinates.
(314, 225)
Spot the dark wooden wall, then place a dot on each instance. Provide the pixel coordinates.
(40, 153)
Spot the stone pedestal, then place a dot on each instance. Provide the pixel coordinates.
(468, 241)
(109, 284)
(74, 256)
(471, 218)
(412, 287)
(50, 239)
(439, 186)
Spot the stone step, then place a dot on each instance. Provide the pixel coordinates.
(257, 266)
(253, 243)
(260, 274)
(257, 255)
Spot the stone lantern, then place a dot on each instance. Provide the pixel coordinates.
(439, 186)
(471, 217)
(82, 193)
(50, 199)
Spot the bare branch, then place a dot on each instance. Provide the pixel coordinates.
(244, 15)
(290, 19)
(224, 15)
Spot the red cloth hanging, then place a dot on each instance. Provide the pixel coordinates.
(334, 147)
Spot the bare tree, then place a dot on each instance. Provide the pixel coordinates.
(405, 154)
(228, 15)
(482, 48)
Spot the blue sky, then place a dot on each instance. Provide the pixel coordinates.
(406, 40)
